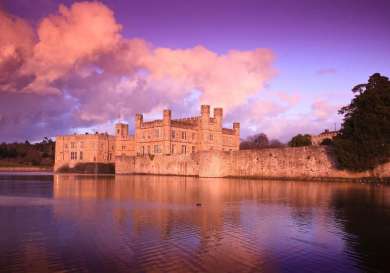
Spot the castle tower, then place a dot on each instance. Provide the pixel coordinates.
(167, 116)
(236, 128)
(218, 115)
(139, 118)
(121, 130)
(204, 127)
(217, 140)
(205, 116)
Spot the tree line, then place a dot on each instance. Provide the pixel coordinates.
(27, 154)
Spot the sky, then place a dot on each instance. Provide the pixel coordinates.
(277, 67)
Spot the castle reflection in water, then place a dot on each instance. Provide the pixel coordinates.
(183, 224)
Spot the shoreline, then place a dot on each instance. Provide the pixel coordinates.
(26, 169)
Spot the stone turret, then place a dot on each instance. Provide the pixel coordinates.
(205, 110)
(121, 130)
(167, 116)
(218, 115)
(138, 120)
(205, 116)
(236, 128)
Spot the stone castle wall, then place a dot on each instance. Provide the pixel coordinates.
(286, 163)
(180, 164)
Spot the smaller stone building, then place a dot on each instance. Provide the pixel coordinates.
(317, 140)
(86, 148)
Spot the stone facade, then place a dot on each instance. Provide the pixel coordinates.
(73, 149)
(308, 163)
(185, 136)
(166, 136)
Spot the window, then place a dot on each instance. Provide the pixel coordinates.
(183, 135)
(81, 155)
(109, 156)
(193, 149)
(173, 149)
(73, 155)
(211, 137)
(148, 149)
(183, 149)
(117, 131)
(156, 149)
(72, 145)
(123, 147)
(173, 134)
(156, 133)
(143, 150)
(81, 145)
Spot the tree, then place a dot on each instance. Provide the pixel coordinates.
(364, 138)
(326, 141)
(300, 140)
(274, 143)
(258, 141)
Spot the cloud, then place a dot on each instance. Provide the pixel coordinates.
(77, 70)
(72, 37)
(16, 44)
(323, 110)
(279, 115)
(225, 80)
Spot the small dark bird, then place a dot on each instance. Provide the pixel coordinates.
(198, 204)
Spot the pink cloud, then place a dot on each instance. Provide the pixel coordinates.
(78, 55)
(72, 36)
(324, 110)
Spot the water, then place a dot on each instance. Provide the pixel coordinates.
(152, 224)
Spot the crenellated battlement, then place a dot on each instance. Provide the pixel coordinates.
(151, 124)
(188, 120)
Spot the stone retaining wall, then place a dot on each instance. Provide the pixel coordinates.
(314, 162)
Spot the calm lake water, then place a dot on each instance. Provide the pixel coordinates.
(152, 224)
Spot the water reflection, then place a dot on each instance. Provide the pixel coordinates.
(152, 224)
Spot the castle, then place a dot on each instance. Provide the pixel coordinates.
(165, 136)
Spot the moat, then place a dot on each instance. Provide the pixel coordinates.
(66, 223)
